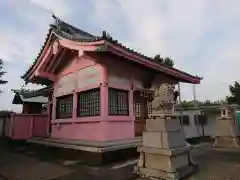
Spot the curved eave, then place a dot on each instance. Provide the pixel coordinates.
(181, 76)
(59, 35)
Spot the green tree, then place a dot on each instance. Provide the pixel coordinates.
(234, 98)
(2, 73)
(168, 61)
(186, 104)
(158, 58)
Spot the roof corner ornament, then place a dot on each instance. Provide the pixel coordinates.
(105, 34)
(57, 21)
(53, 16)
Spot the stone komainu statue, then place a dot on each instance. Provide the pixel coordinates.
(163, 98)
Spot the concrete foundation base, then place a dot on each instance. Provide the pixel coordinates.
(90, 153)
(164, 153)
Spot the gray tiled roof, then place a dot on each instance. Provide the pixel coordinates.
(65, 30)
(28, 96)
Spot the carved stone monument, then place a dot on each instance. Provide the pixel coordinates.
(226, 132)
(164, 153)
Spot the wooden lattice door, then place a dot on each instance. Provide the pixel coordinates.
(141, 112)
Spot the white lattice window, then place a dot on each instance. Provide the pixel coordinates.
(137, 109)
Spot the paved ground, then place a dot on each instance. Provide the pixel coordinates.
(214, 164)
(217, 163)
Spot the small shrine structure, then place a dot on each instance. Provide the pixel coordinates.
(32, 101)
(101, 90)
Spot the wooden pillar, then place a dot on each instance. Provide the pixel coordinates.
(131, 101)
(54, 108)
(104, 94)
(75, 104)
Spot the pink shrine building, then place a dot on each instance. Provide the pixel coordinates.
(98, 90)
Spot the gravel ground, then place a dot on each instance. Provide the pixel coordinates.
(214, 164)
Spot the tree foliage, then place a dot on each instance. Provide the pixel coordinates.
(2, 73)
(167, 61)
(158, 58)
(187, 104)
(234, 97)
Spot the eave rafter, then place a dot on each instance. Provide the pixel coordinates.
(43, 63)
(91, 46)
(39, 69)
(57, 60)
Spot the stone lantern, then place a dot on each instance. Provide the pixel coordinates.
(164, 153)
(226, 134)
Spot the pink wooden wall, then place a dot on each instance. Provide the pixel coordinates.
(84, 73)
(81, 74)
(25, 126)
(40, 125)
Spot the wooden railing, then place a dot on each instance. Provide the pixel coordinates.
(25, 126)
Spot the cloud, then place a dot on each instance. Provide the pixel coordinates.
(14, 82)
(202, 36)
(60, 8)
(196, 34)
(21, 48)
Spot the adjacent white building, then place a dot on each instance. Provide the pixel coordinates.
(200, 121)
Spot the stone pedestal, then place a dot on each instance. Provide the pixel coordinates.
(226, 132)
(164, 153)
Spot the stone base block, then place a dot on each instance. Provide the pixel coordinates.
(168, 152)
(152, 139)
(162, 124)
(225, 127)
(224, 141)
(165, 163)
(173, 139)
(157, 174)
(165, 140)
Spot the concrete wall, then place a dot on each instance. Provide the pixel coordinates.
(193, 130)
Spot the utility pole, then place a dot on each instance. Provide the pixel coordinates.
(194, 92)
(196, 115)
